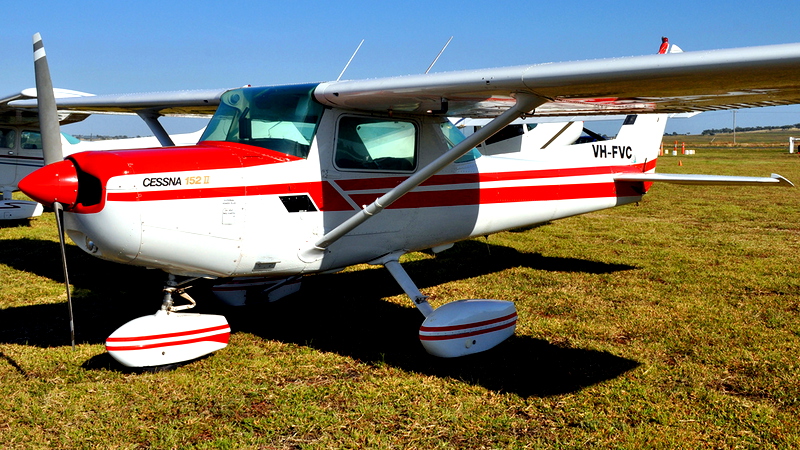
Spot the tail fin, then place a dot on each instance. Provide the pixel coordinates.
(666, 47)
(647, 130)
(643, 133)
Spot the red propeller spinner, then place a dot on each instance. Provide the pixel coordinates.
(56, 182)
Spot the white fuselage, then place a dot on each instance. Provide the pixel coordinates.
(242, 217)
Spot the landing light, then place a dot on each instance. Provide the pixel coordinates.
(90, 245)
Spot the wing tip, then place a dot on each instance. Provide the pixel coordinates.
(782, 181)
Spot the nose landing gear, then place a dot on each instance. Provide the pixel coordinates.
(168, 337)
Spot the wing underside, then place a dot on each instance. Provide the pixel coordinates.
(188, 103)
(672, 83)
(11, 115)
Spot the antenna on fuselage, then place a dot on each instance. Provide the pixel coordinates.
(440, 54)
(350, 60)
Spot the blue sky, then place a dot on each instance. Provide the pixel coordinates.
(107, 47)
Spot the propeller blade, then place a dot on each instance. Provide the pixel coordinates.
(59, 210)
(51, 147)
(46, 102)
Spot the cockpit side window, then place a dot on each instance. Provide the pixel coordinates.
(365, 143)
(279, 118)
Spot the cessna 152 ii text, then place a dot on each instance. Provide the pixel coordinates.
(300, 179)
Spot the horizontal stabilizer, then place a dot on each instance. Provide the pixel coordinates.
(718, 180)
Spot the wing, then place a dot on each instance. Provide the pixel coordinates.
(471, 122)
(13, 115)
(187, 103)
(671, 83)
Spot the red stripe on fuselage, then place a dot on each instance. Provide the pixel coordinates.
(208, 155)
(439, 180)
(516, 194)
(224, 155)
(327, 198)
(332, 201)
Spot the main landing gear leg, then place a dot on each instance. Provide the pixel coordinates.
(169, 337)
(457, 328)
(405, 282)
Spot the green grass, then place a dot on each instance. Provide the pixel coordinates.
(674, 323)
(762, 139)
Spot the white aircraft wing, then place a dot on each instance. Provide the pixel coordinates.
(479, 122)
(10, 114)
(186, 103)
(671, 83)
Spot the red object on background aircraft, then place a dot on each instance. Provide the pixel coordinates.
(664, 46)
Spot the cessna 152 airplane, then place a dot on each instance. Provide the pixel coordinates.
(301, 179)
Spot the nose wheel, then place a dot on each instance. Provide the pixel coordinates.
(169, 337)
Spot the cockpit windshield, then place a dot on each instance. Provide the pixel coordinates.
(279, 118)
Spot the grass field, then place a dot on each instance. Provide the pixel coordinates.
(761, 139)
(674, 323)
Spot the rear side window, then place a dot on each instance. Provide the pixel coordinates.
(365, 143)
(506, 133)
(30, 140)
(7, 137)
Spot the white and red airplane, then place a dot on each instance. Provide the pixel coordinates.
(301, 179)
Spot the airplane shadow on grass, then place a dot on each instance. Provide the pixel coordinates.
(338, 313)
(16, 223)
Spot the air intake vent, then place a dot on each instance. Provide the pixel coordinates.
(298, 203)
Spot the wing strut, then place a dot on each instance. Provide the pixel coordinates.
(151, 119)
(525, 103)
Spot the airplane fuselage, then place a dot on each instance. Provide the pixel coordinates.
(227, 208)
